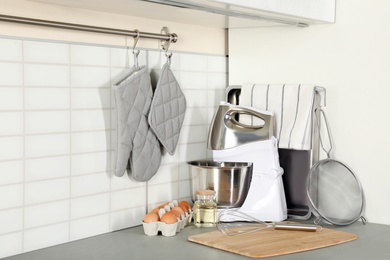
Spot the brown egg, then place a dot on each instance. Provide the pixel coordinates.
(169, 218)
(155, 210)
(185, 204)
(177, 214)
(151, 217)
(178, 209)
(184, 208)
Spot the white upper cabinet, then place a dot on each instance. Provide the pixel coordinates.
(217, 13)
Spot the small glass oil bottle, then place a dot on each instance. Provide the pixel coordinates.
(205, 209)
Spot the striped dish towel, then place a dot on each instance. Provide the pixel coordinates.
(292, 105)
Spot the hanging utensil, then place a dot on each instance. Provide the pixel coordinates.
(250, 224)
(333, 190)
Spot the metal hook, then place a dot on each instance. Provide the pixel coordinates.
(166, 43)
(322, 113)
(136, 53)
(136, 38)
(169, 56)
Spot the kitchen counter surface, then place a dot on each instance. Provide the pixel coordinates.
(373, 243)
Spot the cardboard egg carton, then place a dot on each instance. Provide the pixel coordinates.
(167, 230)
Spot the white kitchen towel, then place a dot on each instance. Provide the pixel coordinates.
(292, 105)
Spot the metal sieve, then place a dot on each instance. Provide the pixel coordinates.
(333, 190)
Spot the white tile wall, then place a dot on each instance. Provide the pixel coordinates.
(57, 140)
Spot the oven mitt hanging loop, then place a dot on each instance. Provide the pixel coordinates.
(167, 110)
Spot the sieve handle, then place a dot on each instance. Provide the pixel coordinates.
(298, 227)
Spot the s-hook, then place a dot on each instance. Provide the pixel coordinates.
(166, 43)
(136, 53)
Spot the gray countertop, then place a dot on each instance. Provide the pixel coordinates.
(373, 243)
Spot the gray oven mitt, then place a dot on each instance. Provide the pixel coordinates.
(136, 143)
(167, 110)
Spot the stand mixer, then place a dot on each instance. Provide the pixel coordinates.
(232, 141)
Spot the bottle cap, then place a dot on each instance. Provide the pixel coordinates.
(205, 192)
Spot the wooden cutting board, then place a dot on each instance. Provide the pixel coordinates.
(267, 243)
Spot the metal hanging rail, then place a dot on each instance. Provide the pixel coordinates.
(168, 37)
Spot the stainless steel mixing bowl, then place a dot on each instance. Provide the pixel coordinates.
(229, 180)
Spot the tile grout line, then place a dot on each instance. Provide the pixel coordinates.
(70, 143)
(24, 149)
(109, 153)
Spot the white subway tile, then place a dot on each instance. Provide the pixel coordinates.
(193, 134)
(90, 77)
(47, 145)
(128, 198)
(46, 236)
(217, 64)
(193, 62)
(46, 214)
(11, 50)
(48, 52)
(190, 152)
(125, 182)
(14, 195)
(195, 98)
(11, 98)
(47, 168)
(185, 189)
(11, 123)
(11, 148)
(47, 122)
(89, 55)
(11, 220)
(11, 172)
(166, 173)
(44, 191)
(157, 59)
(11, 74)
(87, 120)
(193, 80)
(90, 98)
(122, 57)
(11, 244)
(195, 116)
(169, 159)
(185, 171)
(89, 227)
(214, 97)
(163, 192)
(88, 206)
(90, 142)
(40, 75)
(127, 218)
(217, 81)
(90, 163)
(81, 185)
(47, 98)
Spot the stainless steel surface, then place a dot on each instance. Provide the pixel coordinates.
(333, 190)
(229, 180)
(172, 37)
(227, 132)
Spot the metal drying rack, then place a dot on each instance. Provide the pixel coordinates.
(164, 36)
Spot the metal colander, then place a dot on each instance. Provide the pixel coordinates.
(333, 190)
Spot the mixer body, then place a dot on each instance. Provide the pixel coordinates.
(231, 141)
